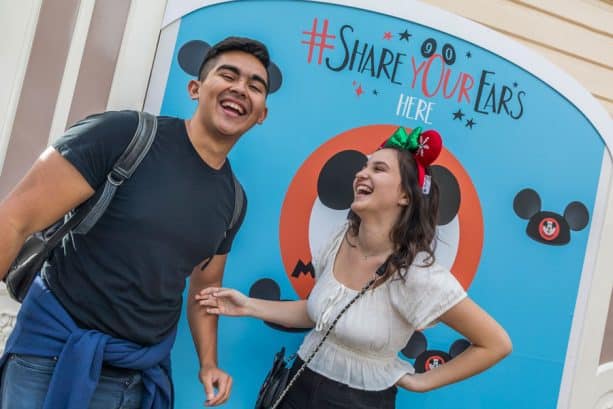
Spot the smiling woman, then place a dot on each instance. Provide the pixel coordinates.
(349, 359)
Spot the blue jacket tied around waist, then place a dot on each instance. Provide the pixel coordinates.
(45, 329)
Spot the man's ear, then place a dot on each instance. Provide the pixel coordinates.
(193, 88)
(263, 116)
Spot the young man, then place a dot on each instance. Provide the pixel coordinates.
(97, 329)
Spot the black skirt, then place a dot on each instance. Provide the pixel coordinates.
(314, 391)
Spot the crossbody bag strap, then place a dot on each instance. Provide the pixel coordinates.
(122, 170)
(379, 273)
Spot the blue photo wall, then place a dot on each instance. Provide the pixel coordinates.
(520, 173)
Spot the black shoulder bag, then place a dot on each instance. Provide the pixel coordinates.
(276, 384)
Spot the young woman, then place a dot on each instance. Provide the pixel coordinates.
(392, 224)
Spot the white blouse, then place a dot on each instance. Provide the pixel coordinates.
(362, 350)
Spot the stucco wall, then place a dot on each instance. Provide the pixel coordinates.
(62, 60)
(576, 35)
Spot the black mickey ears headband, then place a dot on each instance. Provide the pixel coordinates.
(192, 53)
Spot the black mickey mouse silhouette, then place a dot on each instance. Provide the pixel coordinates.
(335, 184)
(417, 348)
(268, 289)
(335, 181)
(192, 53)
(549, 227)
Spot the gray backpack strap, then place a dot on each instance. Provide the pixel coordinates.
(239, 199)
(122, 170)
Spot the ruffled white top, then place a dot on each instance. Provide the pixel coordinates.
(362, 350)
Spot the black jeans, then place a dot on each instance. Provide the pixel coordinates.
(315, 391)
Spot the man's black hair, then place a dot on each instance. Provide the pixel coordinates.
(247, 45)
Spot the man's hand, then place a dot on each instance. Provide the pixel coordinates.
(213, 378)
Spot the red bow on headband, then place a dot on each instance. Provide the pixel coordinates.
(425, 147)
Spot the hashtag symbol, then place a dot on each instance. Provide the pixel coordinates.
(315, 37)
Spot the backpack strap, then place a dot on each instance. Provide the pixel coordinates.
(239, 201)
(122, 170)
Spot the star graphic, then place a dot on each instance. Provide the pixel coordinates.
(468, 54)
(374, 91)
(387, 35)
(458, 115)
(359, 91)
(470, 123)
(515, 84)
(404, 35)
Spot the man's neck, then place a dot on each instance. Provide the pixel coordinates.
(213, 151)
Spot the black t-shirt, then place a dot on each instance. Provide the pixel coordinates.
(126, 276)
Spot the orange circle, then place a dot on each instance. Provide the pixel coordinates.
(302, 193)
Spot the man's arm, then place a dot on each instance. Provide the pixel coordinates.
(49, 190)
(204, 332)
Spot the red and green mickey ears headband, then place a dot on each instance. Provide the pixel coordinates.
(425, 147)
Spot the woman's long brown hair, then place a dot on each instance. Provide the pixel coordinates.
(415, 229)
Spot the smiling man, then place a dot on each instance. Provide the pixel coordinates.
(117, 291)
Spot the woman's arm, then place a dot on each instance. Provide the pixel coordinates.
(490, 343)
(226, 301)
